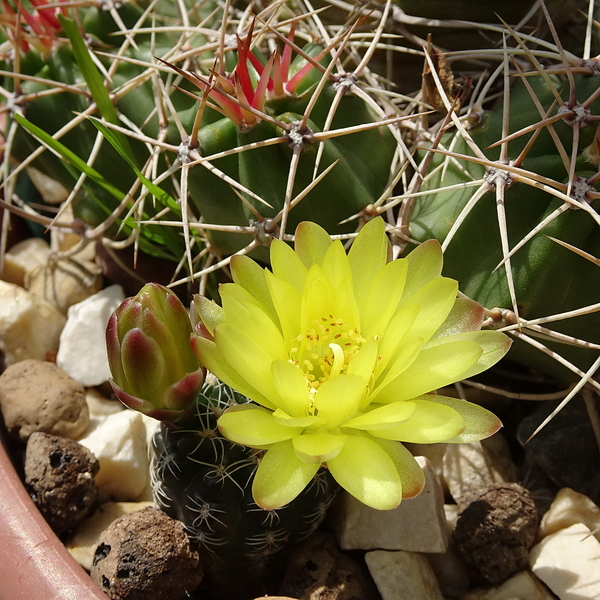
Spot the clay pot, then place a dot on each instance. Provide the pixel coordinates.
(33, 561)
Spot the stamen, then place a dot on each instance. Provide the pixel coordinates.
(324, 352)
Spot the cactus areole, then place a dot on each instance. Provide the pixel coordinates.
(342, 355)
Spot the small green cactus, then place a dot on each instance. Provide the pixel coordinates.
(199, 476)
(204, 480)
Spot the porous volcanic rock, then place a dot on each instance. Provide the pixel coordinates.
(146, 554)
(59, 475)
(496, 527)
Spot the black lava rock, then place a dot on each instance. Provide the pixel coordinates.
(59, 475)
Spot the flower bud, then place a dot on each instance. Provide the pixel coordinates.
(154, 370)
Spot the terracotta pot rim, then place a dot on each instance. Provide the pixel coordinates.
(33, 562)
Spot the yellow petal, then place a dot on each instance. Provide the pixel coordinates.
(424, 264)
(479, 422)
(345, 307)
(466, 315)
(494, 346)
(251, 276)
(253, 426)
(244, 313)
(338, 398)
(435, 300)
(251, 361)
(391, 344)
(318, 299)
(403, 360)
(318, 446)
(411, 474)
(383, 416)
(367, 471)
(287, 302)
(430, 423)
(367, 256)
(364, 361)
(287, 266)
(209, 311)
(214, 360)
(382, 300)
(292, 388)
(433, 368)
(335, 265)
(281, 476)
(311, 243)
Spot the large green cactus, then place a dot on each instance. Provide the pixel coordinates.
(170, 137)
(506, 204)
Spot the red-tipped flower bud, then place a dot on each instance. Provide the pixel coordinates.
(154, 370)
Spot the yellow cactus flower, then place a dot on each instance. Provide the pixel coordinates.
(342, 354)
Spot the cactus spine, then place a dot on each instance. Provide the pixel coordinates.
(509, 186)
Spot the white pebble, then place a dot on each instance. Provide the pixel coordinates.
(82, 351)
(23, 258)
(567, 562)
(29, 327)
(522, 586)
(119, 443)
(403, 576)
(570, 507)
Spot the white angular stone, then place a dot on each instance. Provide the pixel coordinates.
(417, 525)
(119, 443)
(151, 426)
(469, 467)
(570, 507)
(83, 544)
(522, 586)
(24, 257)
(82, 351)
(29, 326)
(403, 575)
(568, 562)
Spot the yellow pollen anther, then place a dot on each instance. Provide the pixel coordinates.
(325, 350)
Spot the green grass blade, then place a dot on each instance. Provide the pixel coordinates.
(154, 239)
(92, 76)
(69, 156)
(161, 195)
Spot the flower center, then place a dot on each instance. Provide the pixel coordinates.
(325, 350)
